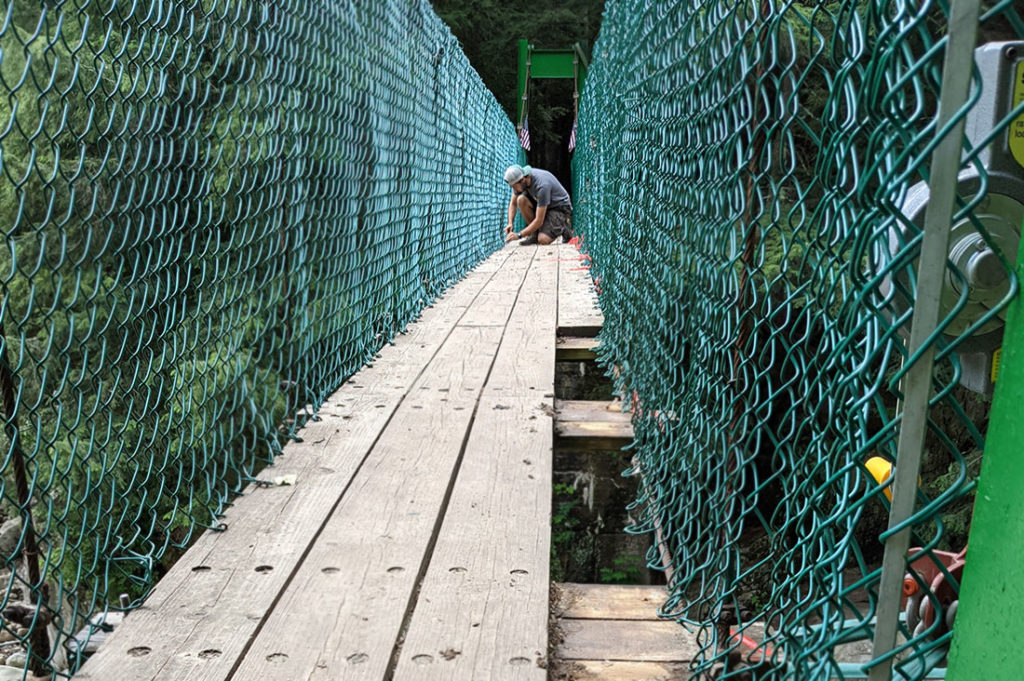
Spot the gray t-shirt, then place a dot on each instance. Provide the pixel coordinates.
(546, 190)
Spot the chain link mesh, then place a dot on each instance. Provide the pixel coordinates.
(214, 212)
(749, 182)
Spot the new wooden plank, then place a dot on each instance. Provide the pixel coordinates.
(203, 613)
(573, 348)
(578, 312)
(608, 601)
(584, 424)
(625, 640)
(607, 670)
(589, 435)
(596, 411)
(483, 606)
(341, 615)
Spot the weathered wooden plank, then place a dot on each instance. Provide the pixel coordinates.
(625, 640)
(572, 348)
(608, 601)
(464, 292)
(578, 312)
(492, 264)
(492, 309)
(201, 616)
(606, 670)
(492, 306)
(342, 613)
(483, 606)
(584, 424)
(508, 250)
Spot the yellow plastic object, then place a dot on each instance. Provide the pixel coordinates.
(881, 471)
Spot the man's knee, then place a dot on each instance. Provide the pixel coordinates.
(525, 207)
(543, 239)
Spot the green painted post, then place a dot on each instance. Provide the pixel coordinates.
(581, 65)
(524, 65)
(991, 596)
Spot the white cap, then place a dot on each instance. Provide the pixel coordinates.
(514, 174)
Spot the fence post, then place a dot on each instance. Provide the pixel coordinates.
(961, 37)
(990, 596)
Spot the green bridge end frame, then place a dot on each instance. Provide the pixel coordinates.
(569, 62)
(991, 596)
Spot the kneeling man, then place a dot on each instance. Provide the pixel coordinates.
(544, 204)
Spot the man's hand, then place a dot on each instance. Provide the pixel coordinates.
(511, 236)
(508, 229)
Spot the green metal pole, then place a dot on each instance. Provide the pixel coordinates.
(581, 56)
(991, 595)
(524, 57)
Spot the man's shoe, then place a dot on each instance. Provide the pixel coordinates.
(529, 241)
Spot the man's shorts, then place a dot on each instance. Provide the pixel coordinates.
(557, 222)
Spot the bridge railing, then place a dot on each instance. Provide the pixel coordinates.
(753, 182)
(213, 213)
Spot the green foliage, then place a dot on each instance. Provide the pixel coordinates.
(759, 602)
(564, 526)
(87, 296)
(625, 570)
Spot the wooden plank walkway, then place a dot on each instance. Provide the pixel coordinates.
(414, 541)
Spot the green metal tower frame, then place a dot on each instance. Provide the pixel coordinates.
(989, 610)
(569, 62)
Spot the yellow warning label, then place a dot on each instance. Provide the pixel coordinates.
(995, 363)
(1017, 127)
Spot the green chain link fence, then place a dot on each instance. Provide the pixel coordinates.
(214, 212)
(751, 182)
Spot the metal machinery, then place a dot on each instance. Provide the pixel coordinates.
(996, 172)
